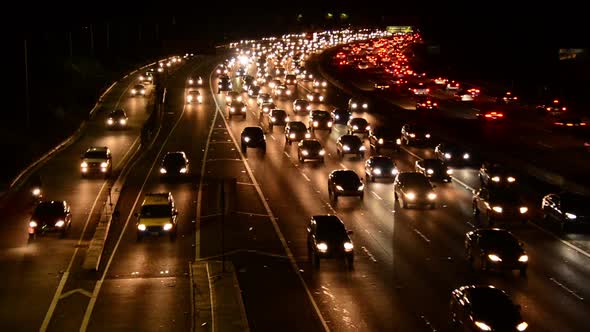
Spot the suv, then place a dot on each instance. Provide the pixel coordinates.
(384, 138)
(157, 216)
(320, 119)
(327, 237)
(411, 133)
(96, 160)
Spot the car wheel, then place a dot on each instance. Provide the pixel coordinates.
(469, 257)
(490, 220)
(244, 148)
(432, 206)
(395, 197)
(564, 227)
(404, 204)
(173, 236)
(362, 196)
(316, 260)
(523, 271)
(367, 177)
(63, 233)
(475, 211)
(139, 237)
(289, 142)
(270, 127)
(330, 130)
(377, 150)
(483, 264)
(350, 262)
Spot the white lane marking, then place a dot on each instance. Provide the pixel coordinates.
(305, 176)
(286, 154)
(374, 193)
(192, 294)
(470, 224)
(369, 254)
(567, 289)
(428, 323)
(421, 235)
(545, 145)
(343, 166)
(211, 297)
(252, 214)
(98, 285)
(62, 282)
(202, 178)
(579, 250)
(276, 227)
(273, 137)
(411, 153)
(245, 183)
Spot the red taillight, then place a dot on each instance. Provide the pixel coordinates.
(555, 101)
(570, 125)
(558, 123)
(435, 104)
(488, 115)
(583, 124)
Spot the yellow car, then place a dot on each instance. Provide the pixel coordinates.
(157, 216)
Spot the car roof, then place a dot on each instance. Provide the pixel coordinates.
(349, 138)
(156, 198)
(253, 129)
(98, 148)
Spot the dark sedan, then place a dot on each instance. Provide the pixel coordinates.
(381, 137)
(569, 209)
(500, 203)
(350, 144)
(295, 131)
(277, 117)
(344, 182)
(253, 137)
(495, 249)
(340, 115)
(495, 174)
(117, 119)
(50, 216)
(310, 149)
(358, 126)
(453, 154)
(434, 169)
(380, 167)
(174, 164)
(327, 237)
(484, 308)
(414, 188)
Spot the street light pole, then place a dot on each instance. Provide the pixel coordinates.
(27, 101)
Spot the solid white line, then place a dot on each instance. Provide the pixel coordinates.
(567, 289)
(276, 226)
(470, 224)
(374, 193)
(98, 285)
(286, 154)
(273, 137)
(427, 322)
(192, 295)
(561, 240)
(411, 153)
(343, 166)
(211, 298)
(60, 288)
(200, 187)
(465, 185)
(252, 214)
(545, 145)
(305, 176)
(245, 183)
(421, 235)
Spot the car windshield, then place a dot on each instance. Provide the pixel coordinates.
(118, 113)
(382, 162)
(175, 158)
(49, 209)
(346, 176)
(486, 300)
(417, 129)
(382, 132)
(506, 195)
(350, 140)
(575, 201)
(330, 229)
(297, 126)
(498, 239)
(318, 115)
(433, 163)
(138, 87)
(358, 121)
(414, 179)
(279, 113)
(253, 132)
(95, 155)
(155, 211)
(310, 144)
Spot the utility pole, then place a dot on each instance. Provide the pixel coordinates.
(27, 101)
(222, 225)
(91, 40)
(108, 35)
(70, 44)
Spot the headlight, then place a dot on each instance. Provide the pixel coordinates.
(570, 215)
(321, 98)
(348, 246)
(447, 156)
(368, 128)
(60, 223)
(430, 171)
(246, 139)
(496, 179)
(412, 135)
(322, 152)
(329, 123)
(304, 152)
(189, 98)
(483, 326)
(141, 227)
(322, 247)
(298, 107)
(292, 135)
(380, 141)
(354, 105)
(143, 91)
(339, 188)
(431, 196)
(511, 179)
(377, 171)
(410, 196)
(32, 224)
(346, 148)
(522, 326)
(191, 81)
(394, 171)
(523, 209)
(466, 156)
(315, 123)
(449, 171)
(365, 105)
(200, 81)
(362, 148)
(523, 258)
(497, 209)
(427, 135)
(307, 135)
(183, 170)
(110, 121)
(84, 164)
(361, 187)
(122, 121)
(133, 91)
(167, 227)
(494, 258)
(163, 170)
(355, 127)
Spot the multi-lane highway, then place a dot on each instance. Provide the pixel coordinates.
(407, 261)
